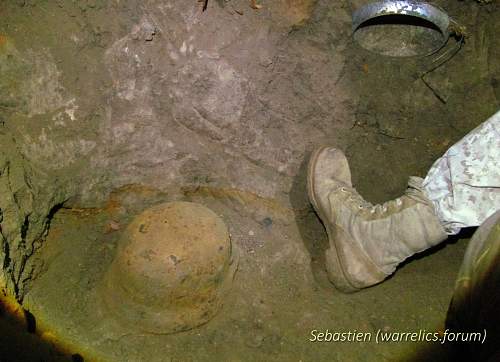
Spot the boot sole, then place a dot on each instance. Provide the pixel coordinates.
(334, 266)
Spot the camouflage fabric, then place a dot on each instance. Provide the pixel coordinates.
(464, 184)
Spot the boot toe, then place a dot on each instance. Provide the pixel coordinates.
(328, 169)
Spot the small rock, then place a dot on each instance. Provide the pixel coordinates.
(145, 31)
(266, 222)
(111, 226)
(255, 341)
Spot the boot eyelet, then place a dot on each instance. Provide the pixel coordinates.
(343, 189)
(360, 207)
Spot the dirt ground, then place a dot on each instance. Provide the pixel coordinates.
(280, 293)
(119, 105)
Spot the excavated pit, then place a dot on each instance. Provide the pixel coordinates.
(112, 108)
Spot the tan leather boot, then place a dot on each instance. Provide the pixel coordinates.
(367, 241)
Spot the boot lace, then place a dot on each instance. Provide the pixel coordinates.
(362, 204)
(356, 198)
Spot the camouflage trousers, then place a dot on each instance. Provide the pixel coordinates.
(464, 184)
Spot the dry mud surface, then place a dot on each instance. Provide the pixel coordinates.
(279, 295)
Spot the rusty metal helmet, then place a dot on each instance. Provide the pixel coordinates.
(172, 268)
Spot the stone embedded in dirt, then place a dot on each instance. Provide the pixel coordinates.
(171, 270)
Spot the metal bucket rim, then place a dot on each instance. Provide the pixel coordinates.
(422, 10)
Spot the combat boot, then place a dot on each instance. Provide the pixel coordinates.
(367, 241)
